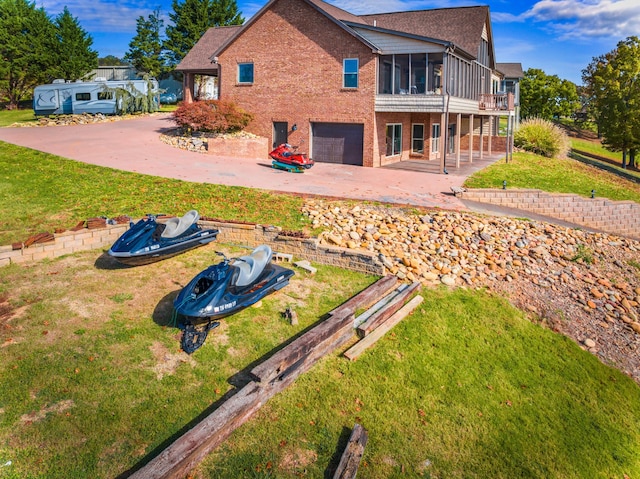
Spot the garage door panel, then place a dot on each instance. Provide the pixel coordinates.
(338, 143)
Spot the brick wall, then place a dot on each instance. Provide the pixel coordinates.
(238, 147)
(297, 55)
(617, 217)
(231, 233)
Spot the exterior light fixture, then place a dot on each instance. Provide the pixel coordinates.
(294, 127)
(593, 193)
(504, 184)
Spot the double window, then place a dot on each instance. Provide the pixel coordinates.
(350, 73)
(394, 139)
(245, 73)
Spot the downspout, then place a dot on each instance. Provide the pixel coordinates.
(447, 70)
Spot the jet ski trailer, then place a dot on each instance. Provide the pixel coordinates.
(150, 240)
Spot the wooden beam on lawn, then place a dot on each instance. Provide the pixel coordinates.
(350, 460)
(385, 313)
(337, 329)
(360, 347)
(191, 448)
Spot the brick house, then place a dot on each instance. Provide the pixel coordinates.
(367, 90)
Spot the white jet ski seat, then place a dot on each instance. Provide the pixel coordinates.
(252, 266)
(174, 227)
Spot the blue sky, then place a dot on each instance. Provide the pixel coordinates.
(558, 36)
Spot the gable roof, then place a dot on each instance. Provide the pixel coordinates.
(462, 26)
(199, 57)
(510, 70)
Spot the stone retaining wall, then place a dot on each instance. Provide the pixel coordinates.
(230, 233)
(617, 217)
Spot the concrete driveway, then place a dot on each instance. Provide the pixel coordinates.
(134, 145)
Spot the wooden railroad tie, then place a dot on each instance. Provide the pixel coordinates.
(350, 460)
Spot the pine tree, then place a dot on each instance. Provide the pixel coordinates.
(145, 49)
(192, 18)
(75, 56)
(27, 38)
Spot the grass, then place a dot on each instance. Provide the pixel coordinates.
(42, 192)
(465, 387)
(554, 175)
(92, 378)
(93, 382)
(9, 117)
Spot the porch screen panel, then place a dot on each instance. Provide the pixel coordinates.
(385, 82)
(418, 73)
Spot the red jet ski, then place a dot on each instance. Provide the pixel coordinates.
(286, 158)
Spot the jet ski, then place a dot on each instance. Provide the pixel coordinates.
(286, 157)
(150, 240)
(224, 289)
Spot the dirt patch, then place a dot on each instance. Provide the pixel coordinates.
(56, 408)
(297, 459)
(167, 362)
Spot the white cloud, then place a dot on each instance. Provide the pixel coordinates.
(583, 19)
(101, 15)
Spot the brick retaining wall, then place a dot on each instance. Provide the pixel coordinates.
(230, 233)
(617, 217)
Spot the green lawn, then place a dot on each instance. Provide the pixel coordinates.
(467, 386)
(41, 192)
(9, 117)
(93, 382)
(555, 175)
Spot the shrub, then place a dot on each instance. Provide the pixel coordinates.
(541, 137)
(211, 116)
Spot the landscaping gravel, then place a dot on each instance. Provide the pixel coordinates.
(584, 285)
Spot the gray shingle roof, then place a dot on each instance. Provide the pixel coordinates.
(461, 26)
(510, 70)
(199, 57)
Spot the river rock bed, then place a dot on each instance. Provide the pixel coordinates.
(585, 285)
(76, 119)
(197, 141)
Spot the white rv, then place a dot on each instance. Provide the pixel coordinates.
(98, 96)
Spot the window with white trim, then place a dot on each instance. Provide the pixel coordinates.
(435, 138)
(417, 138)
(350, 73)
(245, 72)
(394, 139)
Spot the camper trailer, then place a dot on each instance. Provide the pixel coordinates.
(97, 96)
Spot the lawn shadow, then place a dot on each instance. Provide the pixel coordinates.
(343, 440)
(105, 261)
(163, 313)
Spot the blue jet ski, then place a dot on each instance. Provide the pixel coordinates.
(149, 240)
(224, 289)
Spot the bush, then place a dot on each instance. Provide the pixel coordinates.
(541, 137)
(214, 116)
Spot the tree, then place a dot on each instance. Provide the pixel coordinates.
(74, 53)
(547, 96)
(111, 61)
(145, 49)
(612, 82)
(27, 38)
(192, 19)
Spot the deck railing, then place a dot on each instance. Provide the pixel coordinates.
(497, 102)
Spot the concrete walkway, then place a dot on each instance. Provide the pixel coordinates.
(134, 145)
